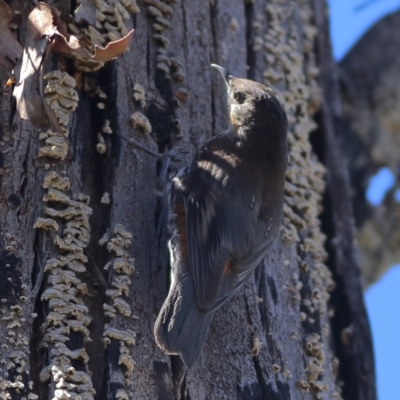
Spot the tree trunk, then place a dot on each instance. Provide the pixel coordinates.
(289, 333)
(371, 125)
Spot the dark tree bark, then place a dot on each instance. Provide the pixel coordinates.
(298, 329)
(371, 125)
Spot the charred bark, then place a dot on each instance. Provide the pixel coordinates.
(370, 98)
(276, 339)
(350, 319)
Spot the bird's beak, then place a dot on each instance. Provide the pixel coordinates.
(228, 78)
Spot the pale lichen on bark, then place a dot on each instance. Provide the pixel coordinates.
(120, 268)
(291, 68)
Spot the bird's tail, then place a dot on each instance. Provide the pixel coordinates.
(181, 326)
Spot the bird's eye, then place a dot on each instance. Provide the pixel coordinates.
(239, 97)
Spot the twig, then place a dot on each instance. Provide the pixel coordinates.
(365, 4)
(167, 158)
(139, 146)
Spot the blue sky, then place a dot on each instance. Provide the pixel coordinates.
(348, 24)
(382, 299)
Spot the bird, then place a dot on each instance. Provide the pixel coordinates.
(225, 209)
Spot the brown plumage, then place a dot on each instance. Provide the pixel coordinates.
(225, 211)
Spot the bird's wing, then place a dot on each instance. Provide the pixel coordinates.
(220, 225)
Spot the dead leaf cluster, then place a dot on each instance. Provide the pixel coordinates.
(48, 32)
(10, 48)
(45, 21)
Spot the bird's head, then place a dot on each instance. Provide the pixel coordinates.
(251, 102)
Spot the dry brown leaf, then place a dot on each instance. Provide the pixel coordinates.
(10, 48)
(114, 49)
(26, 91)
(45, 21)
(71, 45)
(82, 47)
(47, 32)
(41, 22)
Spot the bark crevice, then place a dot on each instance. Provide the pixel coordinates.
(250, 53)
(254, 351)
(352, 336)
